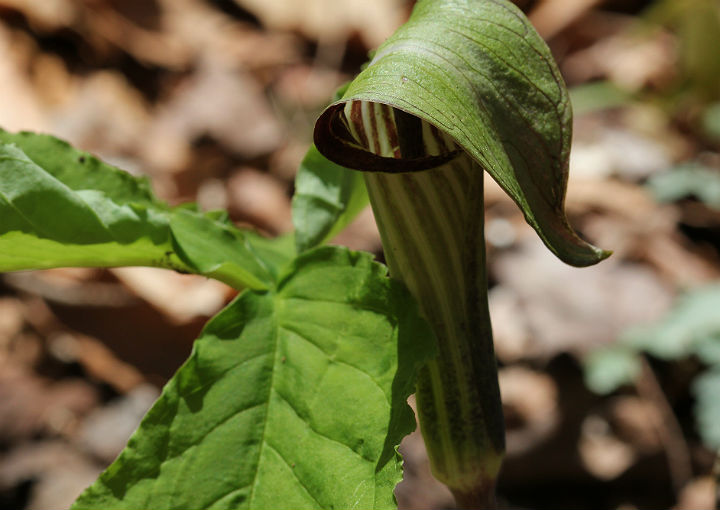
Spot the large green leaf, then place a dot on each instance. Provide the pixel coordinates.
(45, 223)
(80, 170)
(291, 399)
(327, 198)
(479, 74)
(62, 207)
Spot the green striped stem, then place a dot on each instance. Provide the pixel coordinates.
(431, 223)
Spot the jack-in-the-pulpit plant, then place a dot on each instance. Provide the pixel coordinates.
(465, 85)
(295, 395)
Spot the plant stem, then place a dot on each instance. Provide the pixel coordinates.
(431, 223)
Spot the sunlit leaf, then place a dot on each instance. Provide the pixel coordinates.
(291, 399)
(61, 207)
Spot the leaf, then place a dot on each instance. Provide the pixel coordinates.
(61, 207)
(707, 348)
(477, 72)
(685, 330)
(607, 369)
(218, 250)
(691, 327)
(275, 252)
(45, 223)
(597, 96)
(706, 389)
(80, 170)
(372, 21)
(327, 198)
(291, 399)
(683, 181)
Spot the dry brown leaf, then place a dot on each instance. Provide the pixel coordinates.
(602, 453)
(699, 493)
(624, 217)
(95, 357)
(104, 23)
(308, 87)
(30, 405)
(104, 114)
(634, 226)
(612, 151)
(208, 32)
(530, 401)
(60, 472)
(51, 79)
(361, 234)
(543, 307)
(69, 286)
(171, 34)
(218, 101)
(285, 161)
(259, 198)
(106, 430)
(20, 108)
(635, 420)
(181, 298)
(627, 59)
(418, 488)
(331, 21)
(11, 323)
(45, 15)
(212, 195)
(552, 16)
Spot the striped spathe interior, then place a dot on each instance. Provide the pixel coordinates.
(427, 196)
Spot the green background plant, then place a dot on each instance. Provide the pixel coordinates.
(690, 329)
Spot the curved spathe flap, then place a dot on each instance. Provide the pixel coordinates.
(477, 71)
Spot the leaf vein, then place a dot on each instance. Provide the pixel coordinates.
(318, 433)
(320, 505)
(332, 357)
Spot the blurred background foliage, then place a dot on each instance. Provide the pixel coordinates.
(610, 375)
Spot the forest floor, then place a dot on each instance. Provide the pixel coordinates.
(215, 102)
